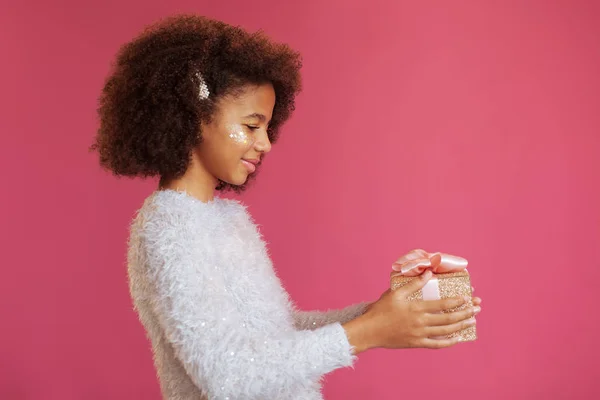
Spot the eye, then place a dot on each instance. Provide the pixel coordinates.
(252, 127)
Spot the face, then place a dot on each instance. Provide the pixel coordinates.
(236, 139)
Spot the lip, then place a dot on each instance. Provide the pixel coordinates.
(250, 165)
(253, 161)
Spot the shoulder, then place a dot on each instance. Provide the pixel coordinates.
(172, 215)
(173, 228)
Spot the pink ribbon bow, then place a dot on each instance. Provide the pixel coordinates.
(418, 261)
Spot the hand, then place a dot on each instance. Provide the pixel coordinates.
(475, 300)
(393, 322)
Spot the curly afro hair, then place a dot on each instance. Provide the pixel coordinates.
(150, 107)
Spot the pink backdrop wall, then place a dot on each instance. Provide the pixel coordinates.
(467, 127)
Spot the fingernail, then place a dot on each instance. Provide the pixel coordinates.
(466, 299)
(396, 267)
(471, 321)
(426, 275)
(476, 310)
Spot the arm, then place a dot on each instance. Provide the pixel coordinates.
(208, 336)
(304, 320)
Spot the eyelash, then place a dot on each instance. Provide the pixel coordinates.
(252, 128)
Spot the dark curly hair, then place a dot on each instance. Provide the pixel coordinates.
(150, 109)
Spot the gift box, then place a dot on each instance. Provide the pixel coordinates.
(441, 286)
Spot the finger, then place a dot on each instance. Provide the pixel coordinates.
(415, 284)
(476, 301)
(438, 343)
(472, 289)
(452, 317)
(444, 330)
(435, 306)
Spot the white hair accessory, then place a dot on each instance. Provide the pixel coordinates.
(203, 91)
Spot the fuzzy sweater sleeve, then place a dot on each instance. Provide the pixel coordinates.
(304, 320)
(224, 359)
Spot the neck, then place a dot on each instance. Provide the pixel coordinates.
(196, 181)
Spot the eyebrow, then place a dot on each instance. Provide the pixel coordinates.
(260, 117)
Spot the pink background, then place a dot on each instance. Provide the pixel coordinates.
(470, 127)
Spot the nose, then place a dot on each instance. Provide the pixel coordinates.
(263, 144)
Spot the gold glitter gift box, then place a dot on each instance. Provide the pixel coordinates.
(448, 285)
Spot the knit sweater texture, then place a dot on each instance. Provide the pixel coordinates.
(220, 322)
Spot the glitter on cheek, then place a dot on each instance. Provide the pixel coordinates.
(237, 134)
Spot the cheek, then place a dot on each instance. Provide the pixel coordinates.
(237, 135)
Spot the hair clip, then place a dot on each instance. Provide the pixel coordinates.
(203, 91)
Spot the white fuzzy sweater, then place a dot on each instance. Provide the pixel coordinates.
(220, 323)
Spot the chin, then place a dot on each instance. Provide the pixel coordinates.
(238, 180)
(238, 185)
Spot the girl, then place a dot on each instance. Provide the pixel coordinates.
(199, 103)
